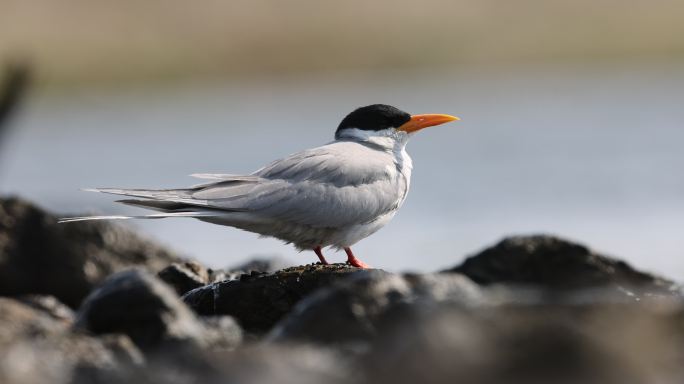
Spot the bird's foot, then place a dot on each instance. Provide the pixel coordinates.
(358, 264)
(353, 261)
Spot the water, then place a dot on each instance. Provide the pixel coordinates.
(593, 154)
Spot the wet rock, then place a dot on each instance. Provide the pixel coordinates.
(39, 256)
(37, 348)
(258, 300)
(356, 310)
(557, 264)
(184, 277)
(138, 304)
(532, 344)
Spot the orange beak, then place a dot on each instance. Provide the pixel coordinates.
(419, 122)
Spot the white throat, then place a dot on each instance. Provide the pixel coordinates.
(388, 139)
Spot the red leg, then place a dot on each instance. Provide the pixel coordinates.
(351, 259)
(319, 253)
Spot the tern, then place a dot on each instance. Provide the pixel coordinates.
(329, 196)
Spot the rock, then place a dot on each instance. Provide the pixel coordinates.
(263, 264)
(259, 300)
(287, 364)
(357, 309)
(37, 348)
(184, 277)
(39, 256)
(251, 364)
(556, 264)
(138, 304)
(50, 305)
(222, 333)
(532, 344)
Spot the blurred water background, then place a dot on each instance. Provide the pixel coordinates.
(572, 115)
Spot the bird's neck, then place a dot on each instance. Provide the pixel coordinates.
(389, 140)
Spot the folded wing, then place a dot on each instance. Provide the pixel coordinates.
(340, 184)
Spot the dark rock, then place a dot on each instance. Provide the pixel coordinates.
(554, 263)
(137, 304)
(263, 264)
(37, 348)
(355, 310)
(532, 344)
(39, 256)
(184, 277)
(258, 300)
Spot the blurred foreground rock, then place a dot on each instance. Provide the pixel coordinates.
(37, 348)
(359, 308)
(139, 305)
(39, 256)
(532, 344)
(533, 309)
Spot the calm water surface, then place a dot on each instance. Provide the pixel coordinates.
(593, 154)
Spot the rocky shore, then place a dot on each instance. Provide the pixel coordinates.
(95, 303)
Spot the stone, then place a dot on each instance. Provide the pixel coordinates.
(36, 347)
(186, 276)
(39, 256)
(50, 305)
(258, 300)
(357, 309)
(595, 344)
(262, 264)
(136, 303)
(557, 264)
(222, 333)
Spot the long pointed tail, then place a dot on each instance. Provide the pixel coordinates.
(152, 216)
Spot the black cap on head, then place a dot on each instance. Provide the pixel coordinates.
(375, 117)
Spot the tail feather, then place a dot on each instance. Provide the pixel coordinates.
(152, 216)
(158, 205)
(87, 218)
(189, 202)
(171, 195)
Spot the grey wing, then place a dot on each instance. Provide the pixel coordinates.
(336, 185)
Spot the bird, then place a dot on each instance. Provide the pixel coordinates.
(332, 196)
